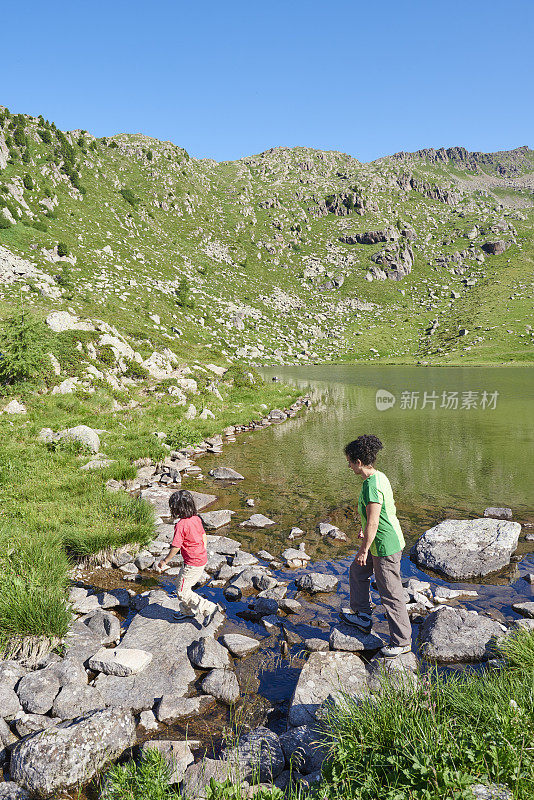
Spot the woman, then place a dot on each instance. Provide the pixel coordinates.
(380, 551)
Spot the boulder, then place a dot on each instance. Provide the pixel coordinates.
(323, 674)
(171, 708)
(104, 625)
(222, 684)
(12, 791)
(177, 754)
(257, 521)
(258, 756)
(147, 721)
(69, 754)
(14, 407)
(216, 519)
(60, 321)
(226, 474)
(304, 749)
(500, 513)
(26, 724)
(450, 635)
(198, 777)
(75, 700)
(83, 434)
(37, 691)
(263, 606)
(206, 653)
(351, 640)
(239, 645)
(316, 582)
(495, 248)
(119, 661)
(243, 559)
(461, 549)
(10, 703)
(223, 545)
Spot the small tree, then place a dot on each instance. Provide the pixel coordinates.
(183, 294)
(21, 348)
(62, 250)
(27, 180)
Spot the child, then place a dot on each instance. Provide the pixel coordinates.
(189, 539)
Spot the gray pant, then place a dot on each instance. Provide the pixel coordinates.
(388, 581)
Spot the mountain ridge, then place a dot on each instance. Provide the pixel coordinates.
(288, 256)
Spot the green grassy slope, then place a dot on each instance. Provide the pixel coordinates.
(258, 247)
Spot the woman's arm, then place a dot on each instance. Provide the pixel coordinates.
(372, 511)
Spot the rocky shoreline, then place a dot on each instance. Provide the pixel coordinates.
(130, 669)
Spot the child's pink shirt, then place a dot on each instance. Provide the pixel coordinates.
(189, 537)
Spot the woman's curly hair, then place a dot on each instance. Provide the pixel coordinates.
(365, 448)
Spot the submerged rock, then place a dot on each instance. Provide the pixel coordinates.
(171, 708)
(461, 549)
(226, 474)
(317, 582)
(257, 521)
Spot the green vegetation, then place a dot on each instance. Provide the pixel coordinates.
(62, 250)
(146, 779)
(21, 354)
(130, 196)
(183, 294)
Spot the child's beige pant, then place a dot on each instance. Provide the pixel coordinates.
(191, 601)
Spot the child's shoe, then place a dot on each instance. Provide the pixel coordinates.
(210, 616)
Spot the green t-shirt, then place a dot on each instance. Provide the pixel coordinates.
(389, 539)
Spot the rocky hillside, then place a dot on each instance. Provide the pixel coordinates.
(293, 255)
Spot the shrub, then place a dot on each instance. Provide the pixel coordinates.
(64, 278)
(62, 250)
(129, 196)
(113, 144)
(20, 348)
(27, 180)
(26, 156)
(150, 155)
(107, 355)
(146, 779)
(35, 223)
(135, 371)
(182, 435)
(243, 377)
(4, 223)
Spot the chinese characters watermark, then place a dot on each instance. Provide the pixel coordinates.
(411, 401)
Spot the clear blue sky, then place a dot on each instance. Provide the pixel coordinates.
(228, 79)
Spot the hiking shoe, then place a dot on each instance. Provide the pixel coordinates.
(361, 621)
(392, 652)
(181, 616)
(210, 616)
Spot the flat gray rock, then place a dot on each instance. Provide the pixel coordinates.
(222, 544)
(323, 674)
(206, 653)
(26, 724)
(226, 474)
(223, 685)
(451, 635)
(351, 640)
(239, 645)
(171, 708)
(315, 582)
(155, 630)
(216, 519)
(461, 549)
(243, 559)
(120, 661)
(158, 497)
(197, 778)
(69, 754)
(177, 754)
(257, 521)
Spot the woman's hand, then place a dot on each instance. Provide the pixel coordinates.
(161, 565)
(361, 556)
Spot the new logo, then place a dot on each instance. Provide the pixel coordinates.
(384, 400)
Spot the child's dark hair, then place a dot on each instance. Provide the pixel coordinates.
(182, 504)
(365, 448)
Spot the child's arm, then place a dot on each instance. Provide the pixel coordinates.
(170, 555)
